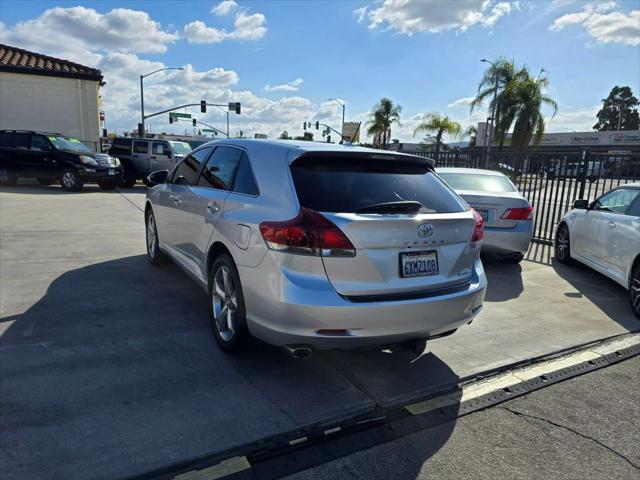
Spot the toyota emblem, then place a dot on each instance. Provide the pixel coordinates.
(425, 230)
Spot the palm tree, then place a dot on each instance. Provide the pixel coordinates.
(383, 116)
(434, 122)
(527, 98)
(472, 133)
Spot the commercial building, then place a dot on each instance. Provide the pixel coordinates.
(38, 92)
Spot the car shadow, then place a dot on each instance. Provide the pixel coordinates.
(607, 295)
(114, 372)
(32, 187)
(504, 279)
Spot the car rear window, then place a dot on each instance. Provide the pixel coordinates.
(345, 185)
(478, 182)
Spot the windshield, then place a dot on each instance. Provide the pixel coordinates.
(181, 148)
(68, 143)
(478, 182)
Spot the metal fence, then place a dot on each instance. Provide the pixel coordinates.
(551, 182)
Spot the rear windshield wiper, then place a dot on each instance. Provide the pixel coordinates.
(391, 207)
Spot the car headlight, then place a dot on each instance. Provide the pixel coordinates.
(115, 161)
(88, 161)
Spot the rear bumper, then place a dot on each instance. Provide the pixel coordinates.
(293, 314)
(508, 240)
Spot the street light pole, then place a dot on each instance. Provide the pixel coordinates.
(493, 115)
(142, 92)
(343, 109)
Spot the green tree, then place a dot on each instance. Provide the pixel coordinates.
(284, 136)
(619, 111)
(383, 116)
(308, 136)
(438, 124)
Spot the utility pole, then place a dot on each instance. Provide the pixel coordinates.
(142, 77)
(343, 109)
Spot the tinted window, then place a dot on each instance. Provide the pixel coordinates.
(160, 148)
(617, 201)
(342, 185)
(120, 146)
(188, 168)
(219, 170)
(140, 147)
(244, 181)
(478, 182)
(20, 140)
(5, 139)
(40, 143)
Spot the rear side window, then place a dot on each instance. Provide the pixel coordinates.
(140, 147)
(478, 182)
(185, 172)
(343, 185)
(20, 140)
(5, 139)
(244, 181)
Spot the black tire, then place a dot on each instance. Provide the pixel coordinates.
(45, 182)
(154, 254)
(231, 335)
(8, 177)
(70, 180)
(515, 259)
(128, 176)
(634, 291)
(563, 244)
(108, 184)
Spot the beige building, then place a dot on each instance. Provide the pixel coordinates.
(48, 94)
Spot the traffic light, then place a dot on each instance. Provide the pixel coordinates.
(203, 106)
(194, 122)
(317, 125)
(237, 108)
(304, 125)
(170, 118)
(234, 107)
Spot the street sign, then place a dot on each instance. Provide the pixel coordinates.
(179, 115)
(351, 132)
(208, 130)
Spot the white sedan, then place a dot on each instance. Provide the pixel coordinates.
(605, 235)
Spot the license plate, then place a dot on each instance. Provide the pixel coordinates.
(418, 264)
(484, 214)
(112, 171)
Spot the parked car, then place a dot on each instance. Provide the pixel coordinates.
(507, 215)
(316, 246)
(605, 235)
(141, 156)
(51, 157)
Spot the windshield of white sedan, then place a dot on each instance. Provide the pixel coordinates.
(478, 182)
(369, 186)
(68, 143)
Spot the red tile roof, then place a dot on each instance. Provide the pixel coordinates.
(13, 59)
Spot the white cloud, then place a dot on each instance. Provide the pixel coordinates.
(603, 23)
(415, 16)
(285, 87)
(461, 102)
(81, 30)
(224, 8)
(246, 27)
(579, 120)
(360, 13)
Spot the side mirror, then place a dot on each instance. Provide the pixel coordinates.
(581, 204)
(158, 177)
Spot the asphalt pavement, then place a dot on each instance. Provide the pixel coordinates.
(587, 427)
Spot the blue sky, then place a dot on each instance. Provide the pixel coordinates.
(284, 59)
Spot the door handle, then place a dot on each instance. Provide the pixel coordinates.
(213, 207)
(611, 224)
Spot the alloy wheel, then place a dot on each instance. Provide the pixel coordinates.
(562, 244)
(634, 292)
(225, 303)
(68, 179)
(152, 239)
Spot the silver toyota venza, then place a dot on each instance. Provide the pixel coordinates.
(317, 246)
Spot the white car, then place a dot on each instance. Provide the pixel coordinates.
(507, 215)
(605, 235)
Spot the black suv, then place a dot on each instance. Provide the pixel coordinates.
(50, 156)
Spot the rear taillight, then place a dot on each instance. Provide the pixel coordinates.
(309, 233)
(478, 229)
(518, 214)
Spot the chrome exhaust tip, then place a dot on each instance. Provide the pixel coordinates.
(298, 352)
